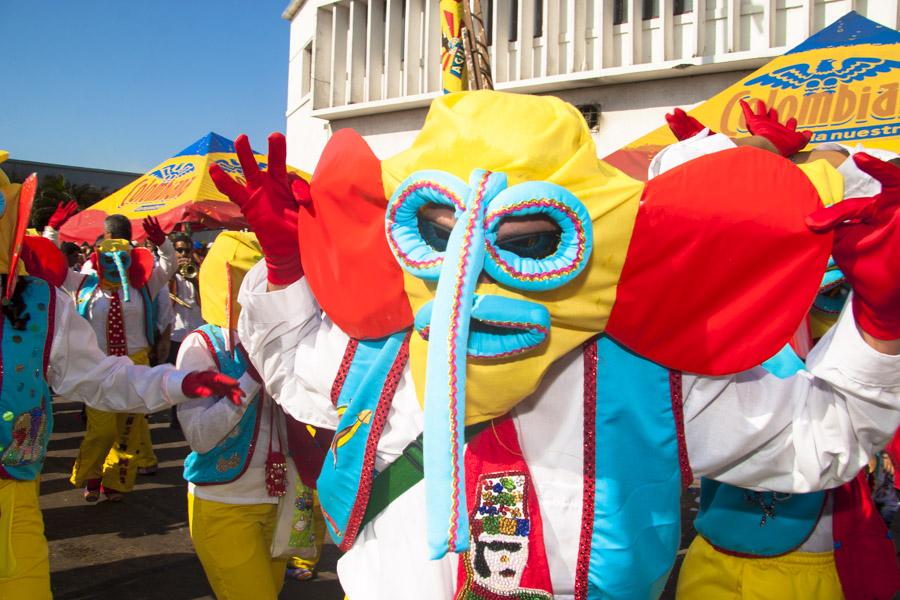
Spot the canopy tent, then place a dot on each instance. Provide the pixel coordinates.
(177, 191)
(841, 84)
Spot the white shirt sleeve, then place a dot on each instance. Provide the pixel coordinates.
(814, 430)
(165, 315)
(291, 346)
(80, 371)
(164, 270)
(51, 234)
(207, 421)
(701, 144)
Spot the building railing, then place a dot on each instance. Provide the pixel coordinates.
(371, 56)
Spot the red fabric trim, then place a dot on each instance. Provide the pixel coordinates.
(378, 422)
(590, 446)
(677, 392)
(346, 361)
(210, 347)
(720, 247)
(51, 327)
(864, 554)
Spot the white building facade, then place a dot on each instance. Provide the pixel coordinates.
(374, 65)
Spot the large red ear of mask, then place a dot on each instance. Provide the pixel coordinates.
(44, 260)
(141, 267)
(721, 268)
(343, 247)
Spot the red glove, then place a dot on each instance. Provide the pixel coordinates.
(269, 202)
(765, 124)
(154, 232)
(867, 248)
(63, 212)
(201, 384)
(684, 125)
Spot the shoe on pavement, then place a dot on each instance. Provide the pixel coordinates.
(92, 490)
(113, 495)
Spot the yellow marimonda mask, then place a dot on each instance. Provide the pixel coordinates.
(227, 262)
(9, 210)
(551, 151)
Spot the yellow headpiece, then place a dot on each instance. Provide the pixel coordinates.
(551, 142)
(227, 262)
(9, 209)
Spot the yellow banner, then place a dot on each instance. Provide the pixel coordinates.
(841, 84)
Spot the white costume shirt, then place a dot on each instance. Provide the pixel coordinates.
(810, 431)
(80, 371)
(207, 421)
(187, 318)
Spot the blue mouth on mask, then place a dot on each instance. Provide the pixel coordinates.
(500, 327)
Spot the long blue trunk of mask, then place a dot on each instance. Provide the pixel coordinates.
(123, 276)
(445, 379)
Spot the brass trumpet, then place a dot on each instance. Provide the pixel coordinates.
(189, 270)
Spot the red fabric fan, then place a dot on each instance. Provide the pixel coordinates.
(344, 252)
(720, 251)
(44, 260)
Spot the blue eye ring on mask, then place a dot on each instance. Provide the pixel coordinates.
(539, 198)
(404, 236)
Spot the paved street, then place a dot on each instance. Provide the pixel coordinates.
(140, 549)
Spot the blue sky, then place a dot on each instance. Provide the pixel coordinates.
(124, 85)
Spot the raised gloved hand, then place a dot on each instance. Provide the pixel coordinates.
(867, 248)
(683, 125)
(64, 211)
(201, 384)
(154, 232)
(785, 137)
(269, 201)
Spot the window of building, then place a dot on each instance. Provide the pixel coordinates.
(489, 21)
(620, 12)
(684, 6)
(650, 9)
(306, 69)
(538, 18)
(514, 21)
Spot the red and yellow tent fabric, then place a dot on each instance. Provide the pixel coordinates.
(841, 84)
(177, 191)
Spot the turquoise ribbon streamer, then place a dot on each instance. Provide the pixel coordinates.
(445, 381)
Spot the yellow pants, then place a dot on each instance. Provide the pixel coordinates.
(319, 528)
(114, 446)
(708, 574)
(24, 558)
(233, 543)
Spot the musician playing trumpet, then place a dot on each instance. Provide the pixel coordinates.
(184, 292)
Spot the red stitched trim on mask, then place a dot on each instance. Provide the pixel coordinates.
(675, 389)
(590, 446)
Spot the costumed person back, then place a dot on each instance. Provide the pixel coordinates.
(118, 300)
(233, 470)
(828, 545)
(44, 344)
(484, 453)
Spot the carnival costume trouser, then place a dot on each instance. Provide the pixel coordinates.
(233, 542)
(24, 557)
(708, 574)
(112, 444)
